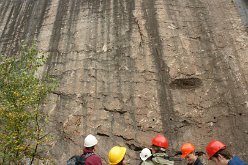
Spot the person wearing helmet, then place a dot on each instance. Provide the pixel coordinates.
(218, 153)
(89, 147)
(146, 157)
(116, 155)
(188, 153)
(159, 146)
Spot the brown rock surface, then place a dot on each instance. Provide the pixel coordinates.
(130, 69)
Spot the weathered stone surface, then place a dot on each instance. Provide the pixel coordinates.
(130, 69)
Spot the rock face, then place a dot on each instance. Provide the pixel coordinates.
(128, 69)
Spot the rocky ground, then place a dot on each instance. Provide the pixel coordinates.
(128, 69)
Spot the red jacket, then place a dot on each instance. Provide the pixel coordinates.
(93, 159)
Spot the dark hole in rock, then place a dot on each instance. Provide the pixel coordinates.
(185, 122)
(171, 119)
(153, 119)
(240, 114)
(214, 117)
(186, 83)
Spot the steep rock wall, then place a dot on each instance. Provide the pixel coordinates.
(130, 69)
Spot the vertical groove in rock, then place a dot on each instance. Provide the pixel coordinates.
(165, 98)
(23, 23)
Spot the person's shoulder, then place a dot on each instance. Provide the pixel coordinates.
(161, 160)
(147, 162)
(150, 162)
(236, 161)
(95, 156)
(94, 159)
(198, 162)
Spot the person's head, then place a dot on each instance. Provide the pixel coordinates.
(159, 143)
(116, 155)
(188, 153)
(218, 153)
(90, 142)
(145, 154)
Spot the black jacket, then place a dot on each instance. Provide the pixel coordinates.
(197, 162)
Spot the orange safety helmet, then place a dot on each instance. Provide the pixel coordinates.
(160, 141)
(187, 149)
(213, 147)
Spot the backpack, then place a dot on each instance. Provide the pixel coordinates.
(79, 160)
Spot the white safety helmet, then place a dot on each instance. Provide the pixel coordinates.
(90, 141)
(145, 153)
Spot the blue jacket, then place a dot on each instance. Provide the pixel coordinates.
(198, 162)
(236, 161)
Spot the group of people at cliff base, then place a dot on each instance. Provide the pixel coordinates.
(217, 153)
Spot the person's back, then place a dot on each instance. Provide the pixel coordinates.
(159, 158)
(90, 143)
(88, 157)
(93, 159)
(236, 161)
(147, 162)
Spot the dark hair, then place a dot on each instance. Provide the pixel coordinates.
(90, 148)
(158, 149)
(199, 153)
(223, 152)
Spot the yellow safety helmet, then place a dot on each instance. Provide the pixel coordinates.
(116, 154)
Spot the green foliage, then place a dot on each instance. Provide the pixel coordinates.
(21, 94)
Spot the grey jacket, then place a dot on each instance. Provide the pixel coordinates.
(147, 162)
(159, 158)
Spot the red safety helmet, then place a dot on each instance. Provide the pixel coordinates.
(160, 141)
(213, 147)
(187, 149)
